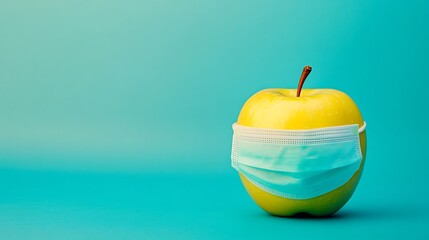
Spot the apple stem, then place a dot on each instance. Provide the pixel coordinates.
(304, 74)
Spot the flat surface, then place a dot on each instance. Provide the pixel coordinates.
(53, 205)
(116, 115)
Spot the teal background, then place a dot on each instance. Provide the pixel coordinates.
(116, 115)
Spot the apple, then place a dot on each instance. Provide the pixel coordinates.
(295, 109)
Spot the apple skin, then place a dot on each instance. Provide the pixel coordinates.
(315, 108)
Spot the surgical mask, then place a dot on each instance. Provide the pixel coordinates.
(297, 164)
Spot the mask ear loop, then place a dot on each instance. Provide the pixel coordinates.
(361, 129)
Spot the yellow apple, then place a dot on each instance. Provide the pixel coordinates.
(294, 109)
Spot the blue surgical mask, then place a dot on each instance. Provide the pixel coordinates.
(297, 164)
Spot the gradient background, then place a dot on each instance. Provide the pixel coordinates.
(116, 115)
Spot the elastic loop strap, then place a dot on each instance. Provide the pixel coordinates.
(361, 129)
